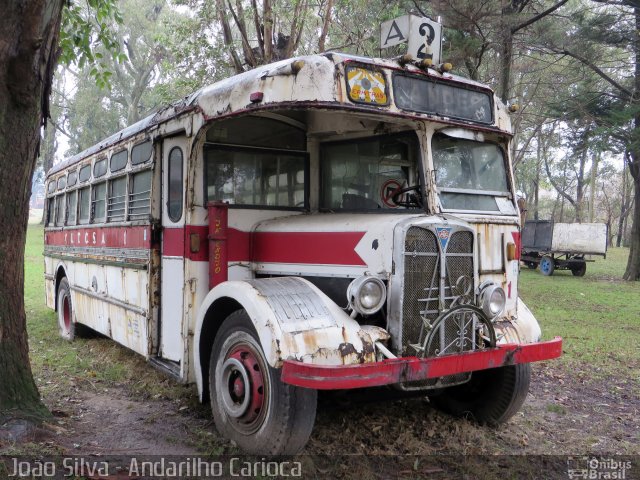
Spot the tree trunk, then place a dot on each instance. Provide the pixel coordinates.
(506, 55)
(267, 15)
(633, 263)
(536, 184)
(625, 207)
(593, 190)
(29, 32)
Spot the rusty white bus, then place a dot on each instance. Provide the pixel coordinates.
(326, 222)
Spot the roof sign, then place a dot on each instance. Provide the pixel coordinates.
(423, 35)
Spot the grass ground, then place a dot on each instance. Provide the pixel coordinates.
(597, 315)
(105, 398)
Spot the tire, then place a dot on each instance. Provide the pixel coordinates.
(547, 265)
(491, 397)
(276, 419)
(66, 325)
(579, 269)
(531, 265)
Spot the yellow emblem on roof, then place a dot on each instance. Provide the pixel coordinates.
(366, 86)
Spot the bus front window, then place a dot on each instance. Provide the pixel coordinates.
(470, 175)
(371, 174)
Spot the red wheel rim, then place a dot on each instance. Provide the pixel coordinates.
(243, 374)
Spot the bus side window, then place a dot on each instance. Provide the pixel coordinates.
(117, 199)
(85, 204)
(140, 196)
(98, 210)
(51, 210)
(174, 176)
(72, 203)
(60, 209)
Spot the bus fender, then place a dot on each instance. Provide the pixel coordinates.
(523, 329)
(294, 321)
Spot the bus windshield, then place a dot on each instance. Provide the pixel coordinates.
(369, 174)
(469, 174)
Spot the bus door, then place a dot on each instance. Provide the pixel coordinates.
(171, 346)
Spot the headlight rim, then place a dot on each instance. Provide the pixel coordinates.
(354, 290)
(485, 299)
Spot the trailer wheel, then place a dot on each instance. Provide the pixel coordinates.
(491, 397)
(249, 402)
(66, 325)
(579, 269)
(547, 265)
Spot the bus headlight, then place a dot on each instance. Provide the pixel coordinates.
(366, 294)
(492, 299)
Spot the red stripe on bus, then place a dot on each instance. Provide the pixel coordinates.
(101, 237)
(178, 242)
(328, 248)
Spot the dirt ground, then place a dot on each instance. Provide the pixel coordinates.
(371, 432)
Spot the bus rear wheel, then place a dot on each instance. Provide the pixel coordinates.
(249, 402)
(491, 397)
(66, 325)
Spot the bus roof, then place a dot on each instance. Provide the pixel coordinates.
(232, 95)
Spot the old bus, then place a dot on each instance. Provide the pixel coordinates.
(326, 222)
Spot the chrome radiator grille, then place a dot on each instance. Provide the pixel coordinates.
(425, 293)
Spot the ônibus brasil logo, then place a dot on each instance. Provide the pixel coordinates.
(443, 235)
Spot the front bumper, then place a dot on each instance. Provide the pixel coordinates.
(411, 369)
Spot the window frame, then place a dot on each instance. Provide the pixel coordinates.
(92, 217)
(123, 216)
(133, 165)
(95, 164)
(234, 148)
(82, 167)
(68, 196)
(114, 154)
(182, 189)
(139, 216)
(51, 219)
(420, 160)
(80, 221)
(72, 174)
(61, 203)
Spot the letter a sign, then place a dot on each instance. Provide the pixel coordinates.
(422, 34)
(394, 32)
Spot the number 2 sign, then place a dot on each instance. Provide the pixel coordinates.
(425, 39)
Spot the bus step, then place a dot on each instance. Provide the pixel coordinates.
(167, 367)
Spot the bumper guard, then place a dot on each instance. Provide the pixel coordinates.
(411, 369)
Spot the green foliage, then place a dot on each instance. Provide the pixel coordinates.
(598, 315)
(85, 27)
(139, 84)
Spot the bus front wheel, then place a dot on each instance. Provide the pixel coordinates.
(249, 402)
(491, 397)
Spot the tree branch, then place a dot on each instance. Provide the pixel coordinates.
(538, 17)
(325, 26)
(595, 68)
(228, 37)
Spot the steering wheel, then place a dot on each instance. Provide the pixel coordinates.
(412, 200)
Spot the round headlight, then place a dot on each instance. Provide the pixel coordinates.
(366, 295)
(493, 300)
